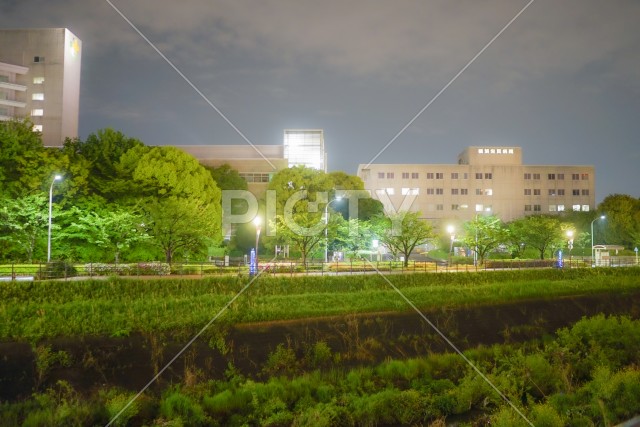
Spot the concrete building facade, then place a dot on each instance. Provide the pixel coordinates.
(40, 79)
(485, 180)
(256, 165)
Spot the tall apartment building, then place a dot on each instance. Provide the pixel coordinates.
(305, 147)
(40, 79)
(485, 180)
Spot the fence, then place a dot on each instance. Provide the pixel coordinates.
(68, 271)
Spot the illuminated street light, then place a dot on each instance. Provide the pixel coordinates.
(451, 230)
(570, 244)
(55, 178)
(592, 248)
(326, 227)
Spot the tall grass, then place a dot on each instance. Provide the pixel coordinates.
(33, 310)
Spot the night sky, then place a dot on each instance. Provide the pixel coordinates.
(562, 81)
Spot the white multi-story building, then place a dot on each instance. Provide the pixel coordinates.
(485, 180)
(40, 79)
(305, 147)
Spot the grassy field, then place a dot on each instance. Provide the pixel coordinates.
(587, 375)
(116, 307)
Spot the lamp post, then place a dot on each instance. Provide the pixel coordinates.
(55, 178)
(326, 227)
(592, 249)
(257, 222)
(451, 230)
(570, 244)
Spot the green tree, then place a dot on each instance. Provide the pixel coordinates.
(403, 231)
(180, 200)
(112, 228)
(227, 178)
(302, 195)
(622, 221)
(25, 165)
(355, 235)
(542, 232)
(484, 234)
(23, 224)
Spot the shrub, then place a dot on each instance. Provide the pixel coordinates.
(178, 406)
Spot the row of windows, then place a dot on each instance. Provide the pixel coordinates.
(433, 175)
(255, 176)
(558, 176)
(527, 208)
(486, 192)
(556, 208)
(495, 150)
(556, 192)
(480, 175)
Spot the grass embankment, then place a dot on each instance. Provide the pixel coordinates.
(34, 310)
(587, 375)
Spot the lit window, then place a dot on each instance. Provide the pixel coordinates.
(390, 191)
(576, 208)
(510, 150)
(493, 151)
(405, 191)
(488, 208)
(38, 80)
(37, 128)
(560, 208)
(37, 112)
(499, 151)
(552, 208)
(480, 151)
(479, 208)
(585, 208)
(488, 192)
(37, 96)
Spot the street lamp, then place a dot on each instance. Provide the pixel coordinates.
(326, 227)
(55, 178)
(570, 244)
(451, 230)
(257, 222)
(592, 249)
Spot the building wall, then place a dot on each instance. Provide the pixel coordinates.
(52, 57)
(481, 184)
(247, 160)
